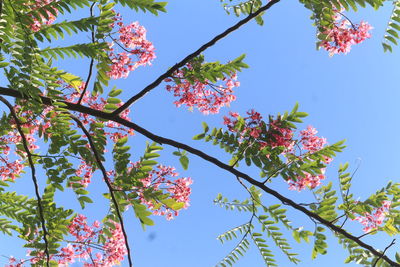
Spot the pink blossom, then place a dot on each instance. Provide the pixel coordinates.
(163, 179)
(310, 141)
(137, 50)
(371, 221)
(37, 24)
(343, 34)
(282, 136)
(308, 181)
(203, 95)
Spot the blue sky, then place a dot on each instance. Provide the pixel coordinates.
(353, 97)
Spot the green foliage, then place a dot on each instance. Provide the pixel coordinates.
(356, 253)
(183, 158)
(57, 30)
(91, 50)
(244, 7)
(238, 251)
(274, 233)
(323, 12)
(278, 214)
(269, 226)
(144, 5)
(326, 207)
(262, 246)
(211, 71)
(235, 204)
(232, 233)
(320, 245)
(269, 159)
(102, 31)
(393, 28)
(29, 70)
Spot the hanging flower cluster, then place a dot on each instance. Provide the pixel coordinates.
(253, 126)
(276, 134)
(343, 34)
(137, 50)
(161, 180)
(371, 221)
(202, 94)
(83, 245)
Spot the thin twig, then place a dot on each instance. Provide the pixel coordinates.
(337, 218)
(188, 58)
(91, 61)
(344, 221)
(384, 251)
(368, 233)
(34, 179)
(104, 172)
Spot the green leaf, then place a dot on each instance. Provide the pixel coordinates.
(199, 137)
(184, 160)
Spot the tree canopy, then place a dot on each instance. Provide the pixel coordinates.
(66, 134)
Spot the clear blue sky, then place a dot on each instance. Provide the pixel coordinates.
(353, 97)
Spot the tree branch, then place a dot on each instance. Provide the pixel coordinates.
(91, 61)
(34, 179)
(168, 73)
(213, 160)
(110, 189)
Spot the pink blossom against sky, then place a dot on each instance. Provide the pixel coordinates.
(353, 97)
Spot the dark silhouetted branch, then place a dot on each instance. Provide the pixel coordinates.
(110, 189)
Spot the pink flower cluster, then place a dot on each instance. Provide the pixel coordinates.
(282, 136)
(276, 135)
(204, 95)
(37, 24)
(372, 221)
(84, 244)
(132, 39)
(10, 168)
(312, 143)
(87, 171)
(252, 124)
(344, 34)
(163, 178)
(306, 181)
